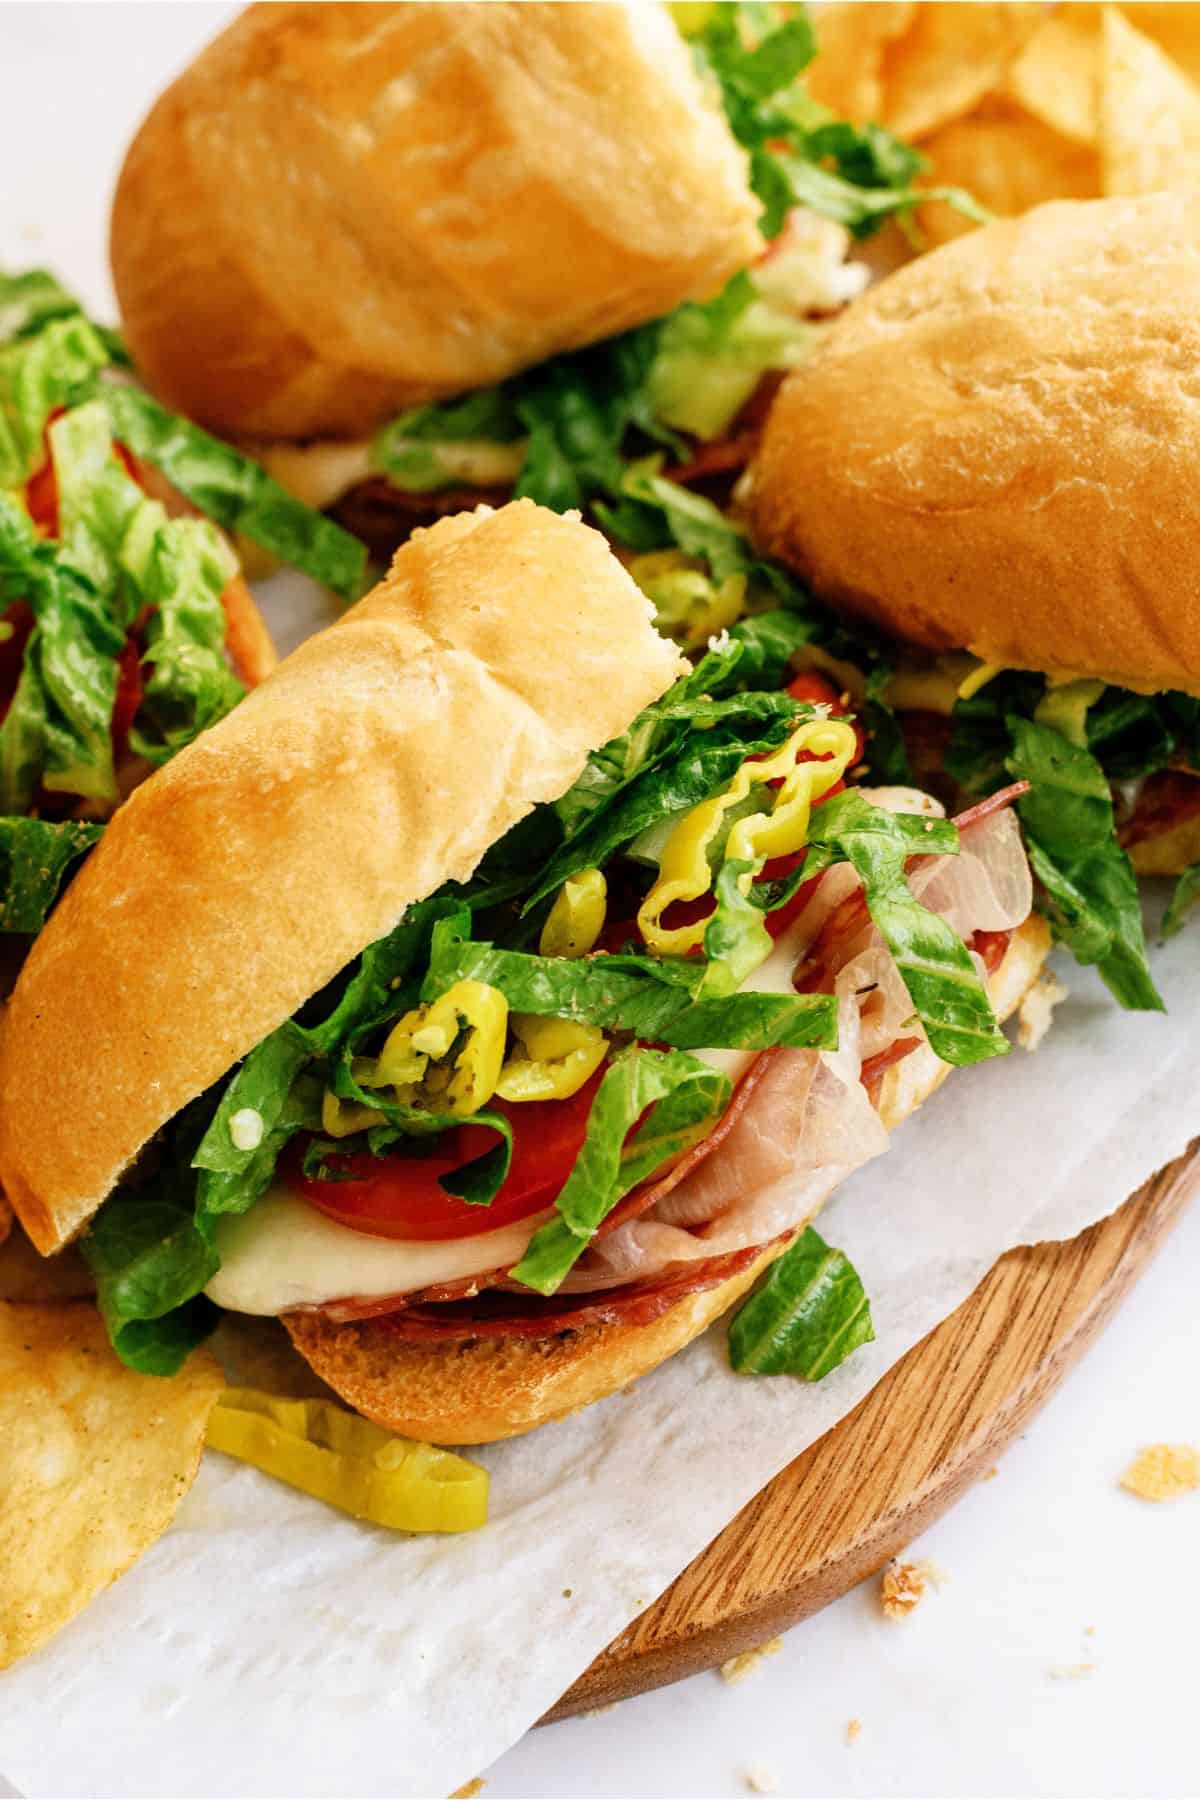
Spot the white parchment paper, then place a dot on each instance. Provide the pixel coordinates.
(267, 1646)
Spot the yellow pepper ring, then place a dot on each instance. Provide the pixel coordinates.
(685, 872)
(418, 1043)
(559, 1057)
(576, 919)
(350, 1463)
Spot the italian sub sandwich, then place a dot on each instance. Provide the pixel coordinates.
(991, 458)
(510, 246)
(510, 993)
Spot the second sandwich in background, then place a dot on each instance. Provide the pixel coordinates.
(504, 248)
(518, 996)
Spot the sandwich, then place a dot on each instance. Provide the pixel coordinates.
(991, 461)
(510, 248)
(519, 991)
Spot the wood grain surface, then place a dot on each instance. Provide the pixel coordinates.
(933, 1425)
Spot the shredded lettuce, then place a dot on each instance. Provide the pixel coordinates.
(948, 995)
(38, 374)
(35, 858)
(657, 998)
(234, 491)
(683, 1099)
(1183, 898)
(808, 1316)
(1088, 881)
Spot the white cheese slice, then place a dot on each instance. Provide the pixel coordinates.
(284, 1253)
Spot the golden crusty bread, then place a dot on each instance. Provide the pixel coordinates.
(475, 1390)
(381, 759)
(998, 448)
(340, 210)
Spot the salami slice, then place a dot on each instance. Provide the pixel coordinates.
(499, 1313)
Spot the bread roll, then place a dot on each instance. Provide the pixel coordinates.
(340, 210)
(381, 759)
(998, 448)
(475, 1390)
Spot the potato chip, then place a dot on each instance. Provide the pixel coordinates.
(1056, 76)
(24, 1275)
(852, 38)
(1009, 161)
(950, 57)
(94, 1461)
(1149, 114)
(6, 1219)
(1175, 27)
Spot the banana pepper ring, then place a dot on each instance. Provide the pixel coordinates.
(686, 871)
(349, 1463)
(559, 1056)
(576, 919)
(469, 1020)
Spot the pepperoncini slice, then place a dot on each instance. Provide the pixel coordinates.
(686, 870)
(342, 1118)
(689, 605)
(576, 919)
(349, 1463)
(558, 1057)
(468, 1025)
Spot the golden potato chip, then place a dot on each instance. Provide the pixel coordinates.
(852, 38)
(1009, 161)
(948, 59)
(1056, 76)
(914, 68)
(24, 1275)
(1149, 114)
(1173, 24)
(94, 1461)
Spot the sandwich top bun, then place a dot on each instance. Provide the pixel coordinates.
(381, 759)
(998, 448)
(475, 1390)
(341, 210)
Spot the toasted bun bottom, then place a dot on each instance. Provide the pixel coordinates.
(475, 1390)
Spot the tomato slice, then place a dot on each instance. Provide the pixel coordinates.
(400, 1197)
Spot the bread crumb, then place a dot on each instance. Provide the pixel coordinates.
(1163, 1472)
(1037, 1009)
(853, 1730)
(469, 1789)
(904, 1586)
(1070, 1671)
(594, 1712)
(760, 1780)
(992, 1473)
(738, 1667)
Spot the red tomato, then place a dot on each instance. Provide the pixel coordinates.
(399, 1196)
(41, 498)
(19, 618)
(41, 490)
(128, 696)
(815, 689)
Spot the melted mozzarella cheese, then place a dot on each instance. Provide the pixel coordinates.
(283, 1253)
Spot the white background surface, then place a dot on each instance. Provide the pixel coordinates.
(961, 1699)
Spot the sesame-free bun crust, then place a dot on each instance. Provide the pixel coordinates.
(475, 1390)
(338, 211)
(381, 759)
(998, 448)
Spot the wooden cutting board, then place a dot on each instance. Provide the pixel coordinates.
(936, 1423)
